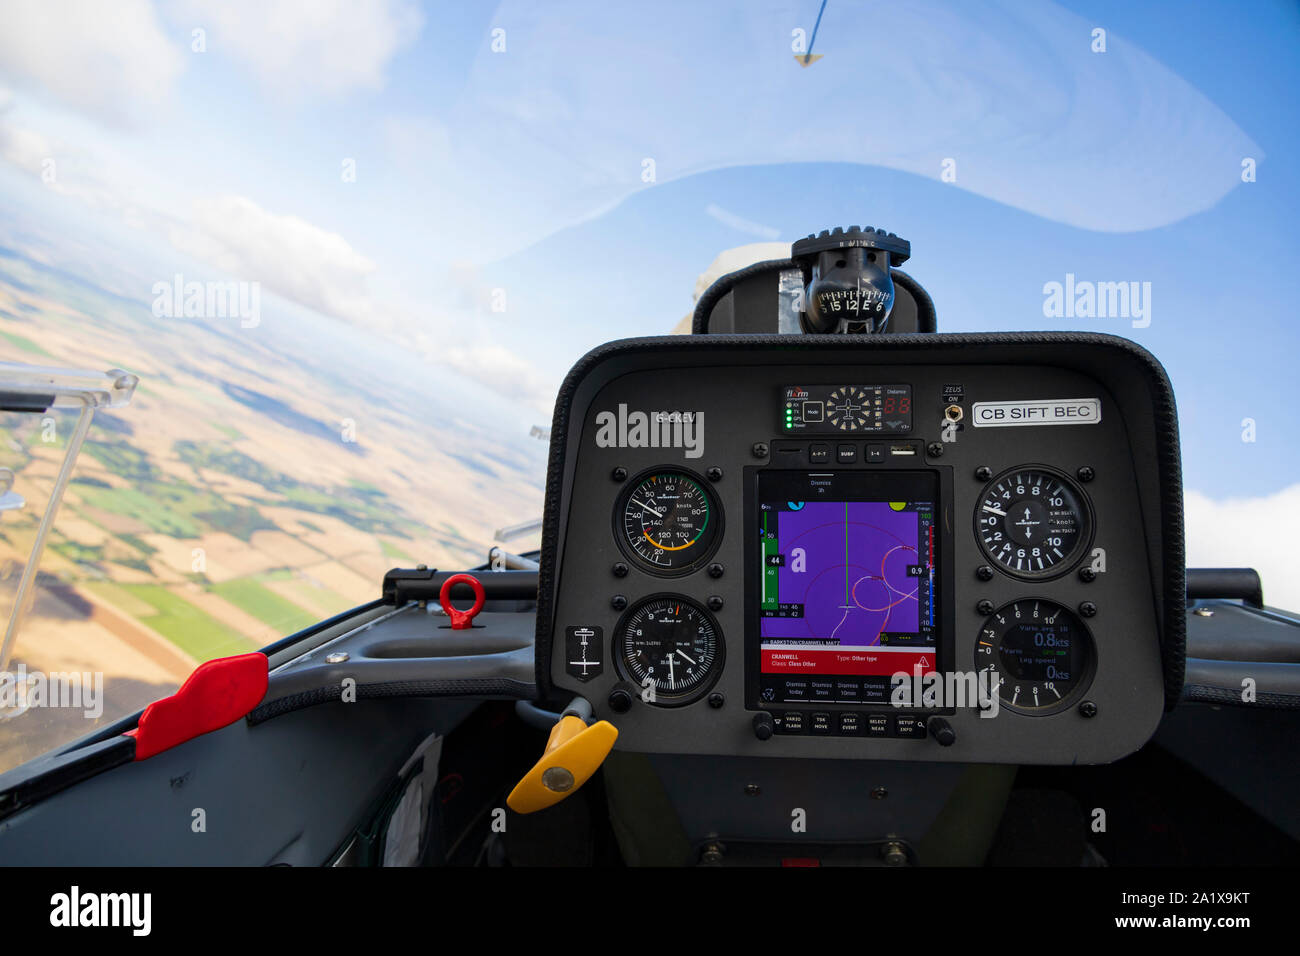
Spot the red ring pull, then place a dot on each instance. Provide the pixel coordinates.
(461, 620)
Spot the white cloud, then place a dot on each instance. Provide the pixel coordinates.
(108, 60)
(1257, 533)
(298, 47)
(24, 148)
(287, 255)
(321, 270)
(509, 375)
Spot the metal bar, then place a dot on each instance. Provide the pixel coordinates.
(43, 531)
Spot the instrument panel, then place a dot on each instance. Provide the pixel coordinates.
(921, 551)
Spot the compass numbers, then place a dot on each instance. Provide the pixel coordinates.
(670, 643)
(1032, 522)
(1039, 655)
(667, 521)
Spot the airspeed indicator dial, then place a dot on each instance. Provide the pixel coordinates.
(667, 521)
(1033, 522)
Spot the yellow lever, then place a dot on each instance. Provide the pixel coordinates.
(574, 752)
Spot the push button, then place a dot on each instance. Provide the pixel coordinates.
(819, 453)
(850, 725)
(878, 725)
(875, 453)
(846, 454)
(821, 723)
(910, 727)
(792, 722)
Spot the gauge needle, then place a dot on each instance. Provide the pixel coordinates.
(657, 514)
(995, 511)
(687, 659)
(672, 679)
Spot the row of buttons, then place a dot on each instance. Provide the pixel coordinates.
(849, 724)
(825, 453)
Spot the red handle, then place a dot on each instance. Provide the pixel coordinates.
(461, 620)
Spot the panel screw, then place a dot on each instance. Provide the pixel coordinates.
(934, 449)
(985, 607)
(714, 474)
(1086, 473)
(1088, 709)
(1087, 574)
(715, 570)
(760, 449)
(715, 603)
(984, 573)
(893, 854)
(716, 700)
(983, 473)
(1203, 612)
(619, 474)
(620, 569)
(338, 657)
(618, 602)
(879, 793)
(752, 789)
(712, 854)
(1088, 609)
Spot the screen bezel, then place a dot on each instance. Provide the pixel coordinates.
(944, 587)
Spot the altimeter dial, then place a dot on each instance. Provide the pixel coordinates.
(670, 647)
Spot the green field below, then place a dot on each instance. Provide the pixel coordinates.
(255, 598)
(194, 631)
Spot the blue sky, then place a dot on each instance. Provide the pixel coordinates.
(521, 170)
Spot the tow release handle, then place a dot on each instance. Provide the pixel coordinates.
(574, 751)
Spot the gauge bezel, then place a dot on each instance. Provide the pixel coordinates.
(1072, 559)
(671, 700)
(620, 528)
(1080, 687)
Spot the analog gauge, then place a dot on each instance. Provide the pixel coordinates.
(670, 647)
(1039, 655)
(1033, 523)
(849, 409)
(668, 522)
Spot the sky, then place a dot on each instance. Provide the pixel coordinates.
(493, 189)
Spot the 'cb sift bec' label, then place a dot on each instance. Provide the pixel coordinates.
(1054, 411)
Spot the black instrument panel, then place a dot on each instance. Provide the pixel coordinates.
(944, 587)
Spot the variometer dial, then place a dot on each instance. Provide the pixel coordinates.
(1033, 522)
(668, 521)
(1038, 654)
(670, 647)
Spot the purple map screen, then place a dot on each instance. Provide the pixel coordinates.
(848, 583)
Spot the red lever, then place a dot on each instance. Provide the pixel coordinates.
(462, 620)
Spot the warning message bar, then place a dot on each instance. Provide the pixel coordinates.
(841, 661)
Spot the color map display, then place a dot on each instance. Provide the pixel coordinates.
(847, 593)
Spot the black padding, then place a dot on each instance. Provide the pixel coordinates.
(472, 688)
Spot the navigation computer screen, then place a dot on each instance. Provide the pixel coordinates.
(848, 585)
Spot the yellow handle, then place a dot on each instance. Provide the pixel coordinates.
(574, 752)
